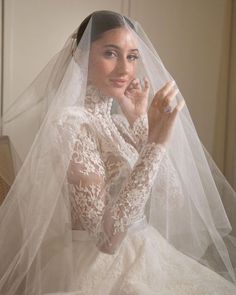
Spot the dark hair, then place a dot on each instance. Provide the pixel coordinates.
(102, 21)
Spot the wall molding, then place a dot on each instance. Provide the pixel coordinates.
(126, 7)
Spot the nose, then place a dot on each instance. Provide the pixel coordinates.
(123, 66)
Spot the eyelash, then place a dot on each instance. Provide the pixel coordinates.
(133, 56)
(111, 54)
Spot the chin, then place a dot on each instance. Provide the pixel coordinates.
(116, 92)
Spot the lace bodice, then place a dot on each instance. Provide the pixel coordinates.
(111, 172)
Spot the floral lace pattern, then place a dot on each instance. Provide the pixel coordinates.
(107, 193)
(135, 135)
(147, 264)
(132, 199)
(140, 130)
(110, 176)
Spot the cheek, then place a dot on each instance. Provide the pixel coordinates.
(100, 68)
(133, 72)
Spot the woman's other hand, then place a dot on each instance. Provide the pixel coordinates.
(134, 103)
(161, 117)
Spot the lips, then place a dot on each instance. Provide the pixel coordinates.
(118, 82)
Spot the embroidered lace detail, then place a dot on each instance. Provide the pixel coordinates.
(96, 102)
(168, 189)
(140, 130)
(132, 199)
(85, 175)
(109, 182)
(88, 208)
(147, 264)
(135, 135)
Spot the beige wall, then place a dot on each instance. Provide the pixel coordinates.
(35, 30)
(191, 38)
(230, 163)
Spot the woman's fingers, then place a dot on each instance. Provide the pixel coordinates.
(136, 84)
(136, 87)
(179, 106)
(166, 88)
(165, 94)
(169, 98)
(146, 85)
(161, 116)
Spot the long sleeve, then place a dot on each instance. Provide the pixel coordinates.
(108, 221)
(136, 134)
(140, 131)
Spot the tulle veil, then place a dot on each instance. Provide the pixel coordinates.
(35, 219)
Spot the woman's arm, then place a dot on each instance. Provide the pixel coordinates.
(108, 222)
(136, 134)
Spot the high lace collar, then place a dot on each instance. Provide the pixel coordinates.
(96, 102)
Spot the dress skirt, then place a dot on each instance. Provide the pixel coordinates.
(145, 264)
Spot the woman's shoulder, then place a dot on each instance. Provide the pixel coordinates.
(77, 122)
(72, 115)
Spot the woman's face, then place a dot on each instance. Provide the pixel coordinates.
(113, 61)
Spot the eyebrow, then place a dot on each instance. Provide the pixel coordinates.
(117, 47)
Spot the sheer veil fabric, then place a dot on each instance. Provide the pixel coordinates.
(35, 219)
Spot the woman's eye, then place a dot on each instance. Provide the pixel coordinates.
(110, 54)
(133, 57)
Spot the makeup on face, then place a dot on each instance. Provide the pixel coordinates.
(113, 61)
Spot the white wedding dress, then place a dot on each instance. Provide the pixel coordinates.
(112, 171)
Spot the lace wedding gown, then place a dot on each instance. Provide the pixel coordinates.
(110, 178)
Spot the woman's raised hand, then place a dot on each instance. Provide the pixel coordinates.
(161, 117)
(134, 103)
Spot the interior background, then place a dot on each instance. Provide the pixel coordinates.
(195, 39)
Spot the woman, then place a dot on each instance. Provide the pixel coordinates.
(115, 195)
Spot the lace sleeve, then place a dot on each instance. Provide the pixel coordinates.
(108, 222)
(140, 130)
(136, 134)
(87, 177)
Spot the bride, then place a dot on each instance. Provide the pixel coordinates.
(116, 194)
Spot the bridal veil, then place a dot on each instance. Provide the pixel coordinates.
(185, 204)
